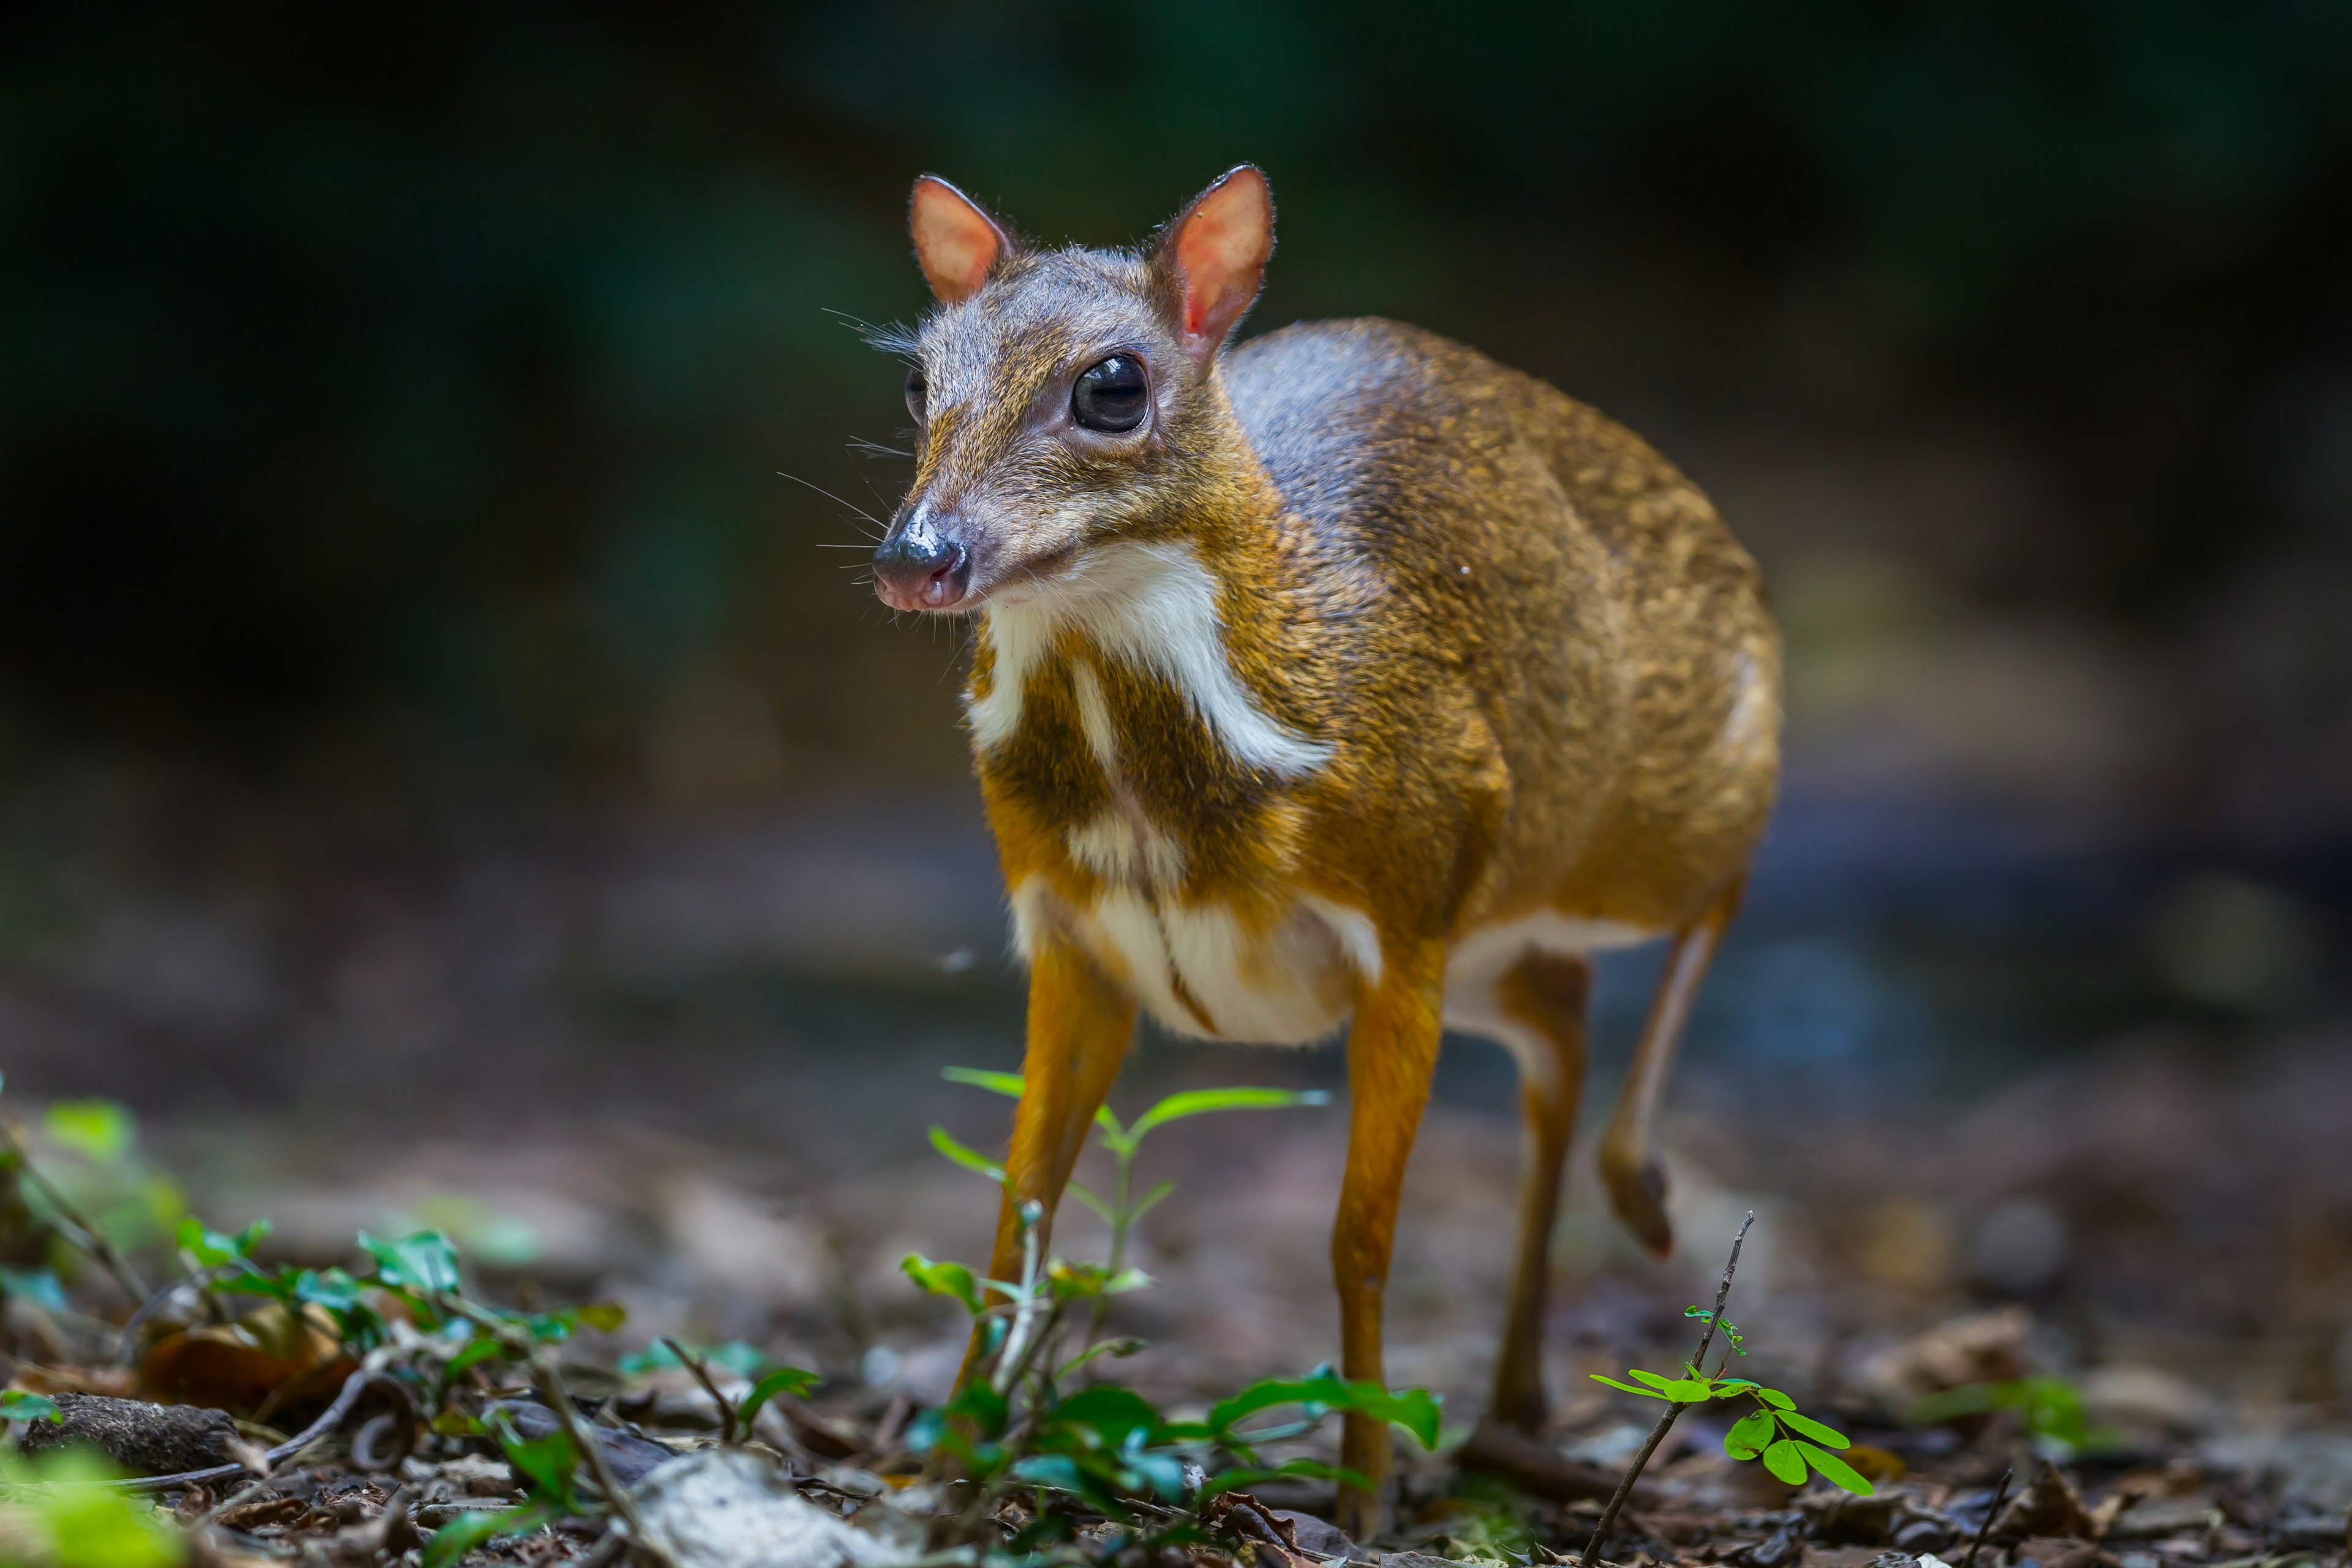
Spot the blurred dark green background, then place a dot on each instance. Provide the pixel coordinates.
(394, 559)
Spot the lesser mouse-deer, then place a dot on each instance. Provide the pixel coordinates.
(1345, 677)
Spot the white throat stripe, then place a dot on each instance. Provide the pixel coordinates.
(1152, 605)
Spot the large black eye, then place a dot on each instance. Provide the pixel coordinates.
(917, 392)
(1111, 395)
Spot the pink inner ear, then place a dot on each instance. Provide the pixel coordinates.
(955, 241)
(1221, 254)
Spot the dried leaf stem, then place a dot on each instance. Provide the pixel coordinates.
(1673, 1412)
(693, 1363)
(1999, 1496)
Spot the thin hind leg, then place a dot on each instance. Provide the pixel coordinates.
(1629, 1164)
(1544, 996)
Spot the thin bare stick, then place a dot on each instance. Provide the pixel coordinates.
(549, 1383)
(1999, 1496)
(1673, 1412)
(575, 1427)
(93, 1240)
(693, 1363)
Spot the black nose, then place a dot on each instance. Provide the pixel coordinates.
(921, 567)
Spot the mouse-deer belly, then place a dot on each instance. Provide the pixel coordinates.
(1208, 969)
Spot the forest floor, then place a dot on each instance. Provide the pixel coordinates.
(2119, 1283)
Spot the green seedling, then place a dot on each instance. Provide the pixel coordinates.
(1775, 1432)
(768, 1379)
(1018, 1424)
(18, 1407)
(549, 1468)
(2052, 1408)
(1123, 1210)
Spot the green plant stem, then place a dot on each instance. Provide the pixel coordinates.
(93, 1240)
(1122, 1221)
(1673, 1412)
(591, 1452)
(559, 1399)
(1020, 1340)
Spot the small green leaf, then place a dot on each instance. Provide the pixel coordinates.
(604, 1316)
(1750, 1436)
(944, 1278)
(1775, 1398)
(1307, 1470)
(329, 1287)
(1199, 1101)
(735, 1357)
(97, 1130)
(16, 1405)
(1415, 1409)
(1058, 1470)
(1704, 1314)
(548, 1463)
(1830, 1435)
(1783, 1460)
(462, 1534)
(1629, 1388)
(1835, 1470)
(1006, 1083)
(477, 1350)
(1085, 1195)
(38, 1286)
(981, 1405)
(964, 1154)
(1110, 1411)
(792, 1380)
(1689, 1391)
(1655, 1380)
(424, 1260)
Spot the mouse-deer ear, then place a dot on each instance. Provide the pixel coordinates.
(955, 241)
(1217, 250)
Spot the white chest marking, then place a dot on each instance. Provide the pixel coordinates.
(1152, 605)
(1122, 847)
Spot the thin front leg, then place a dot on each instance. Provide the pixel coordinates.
(1079, 1026)
(1545, 995)
(1391, 1052)
(1629, 1165)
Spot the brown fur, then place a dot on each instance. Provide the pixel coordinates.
(1541, 672)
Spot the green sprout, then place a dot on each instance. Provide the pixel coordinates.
(2052, 1408)
(1123, 1210)
(1787, 1441)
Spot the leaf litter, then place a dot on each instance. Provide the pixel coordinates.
(410, 1400)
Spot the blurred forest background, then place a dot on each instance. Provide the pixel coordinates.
(425, 707)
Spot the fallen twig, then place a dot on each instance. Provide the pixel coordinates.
(2000, 1495)
(1673, 1412)
(693, 1363)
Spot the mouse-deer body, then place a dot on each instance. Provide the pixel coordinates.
(1346, 678)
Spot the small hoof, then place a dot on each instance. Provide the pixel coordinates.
(1638, 1194)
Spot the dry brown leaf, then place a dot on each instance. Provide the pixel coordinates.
(113, 1382)
(273, 1359)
